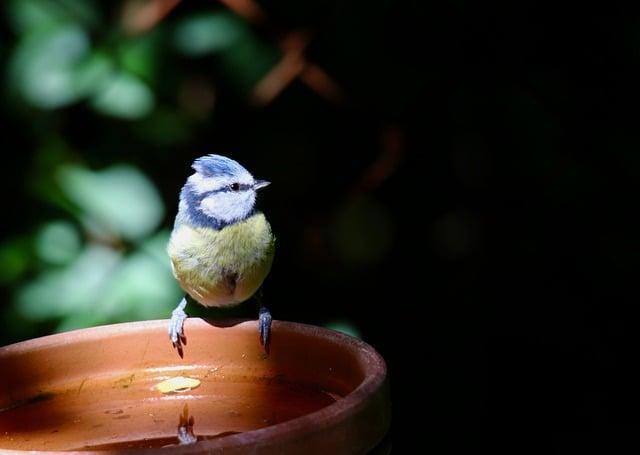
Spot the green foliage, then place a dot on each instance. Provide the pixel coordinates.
(124, 95)
(103, 285)
(55, 64)
(248, 60)
(59, 292)
(15, 257)
(29, 15)
(117, 201)
(58, 242)
(345, 327)
(45, 66)
(139, 55)
(99, 256)
(61, 58)
(89, 245)
(142, 287)
(118, 272)
(203, 34)
(164, 127)
(241, 54)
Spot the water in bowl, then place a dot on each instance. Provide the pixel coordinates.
(128, 412)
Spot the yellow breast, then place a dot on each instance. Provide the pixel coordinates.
(204, 260)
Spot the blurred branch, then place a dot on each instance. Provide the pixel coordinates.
(386, 163)
(247, 9)
(320, 82)
(140, 16)
(281, 75)
(294, 65)
(278, 79)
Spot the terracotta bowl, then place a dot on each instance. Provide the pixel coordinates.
(96, 390)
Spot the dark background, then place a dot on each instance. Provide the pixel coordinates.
(459, 190)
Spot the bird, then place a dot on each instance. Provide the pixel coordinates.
(221, 248)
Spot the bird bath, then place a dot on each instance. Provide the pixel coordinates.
(96, 390)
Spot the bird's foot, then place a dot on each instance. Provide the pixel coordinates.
(176, 326)
(264, 323)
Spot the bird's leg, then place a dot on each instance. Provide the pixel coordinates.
(176, 325)
(265, 328)
(264, 323)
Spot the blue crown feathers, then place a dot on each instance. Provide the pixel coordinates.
(217, 165)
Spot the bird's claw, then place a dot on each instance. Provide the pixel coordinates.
(176, 327)
(264, 323)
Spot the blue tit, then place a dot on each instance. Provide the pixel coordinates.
(221, 248)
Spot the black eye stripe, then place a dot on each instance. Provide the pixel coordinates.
(227, 189)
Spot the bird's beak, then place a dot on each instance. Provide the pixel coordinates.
(260, 184)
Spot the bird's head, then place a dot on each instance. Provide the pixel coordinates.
(220, 192)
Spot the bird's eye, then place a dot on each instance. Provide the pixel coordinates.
(235, 187)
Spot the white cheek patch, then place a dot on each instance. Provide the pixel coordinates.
(202, 184)
(228, 206)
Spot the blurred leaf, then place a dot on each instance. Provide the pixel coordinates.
(44, 66)
(81, 319)
(139, 55)
(30, 15)
(156, 247)
(42, 179)
(143, 287)
(361, 232)
(202, 34)
(125, 96)
(58, 242)
(248, 60)
(25, 15)
(119, 199)
(344, 327)
(93, 73)
(14, 259)
(163, 127)
(58, 293)
(140, 287)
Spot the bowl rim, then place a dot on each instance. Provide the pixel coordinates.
(374, 366)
